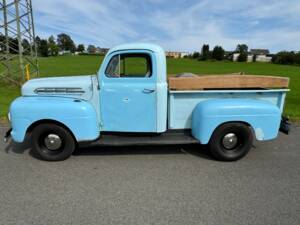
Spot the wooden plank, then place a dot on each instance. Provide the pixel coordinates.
(227, 81)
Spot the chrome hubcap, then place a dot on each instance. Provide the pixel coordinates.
(230, 141)
(52, 142)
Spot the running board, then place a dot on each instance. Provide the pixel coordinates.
(127, 139)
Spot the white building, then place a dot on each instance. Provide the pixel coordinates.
(249, 58)
(176, 54)
(263, 58)
(235, 57)
(64, 52)
(184, 54)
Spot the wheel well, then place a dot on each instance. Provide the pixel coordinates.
(242, 122)
(36, 123)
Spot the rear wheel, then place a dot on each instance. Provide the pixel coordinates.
(231, 141)
(52, 142)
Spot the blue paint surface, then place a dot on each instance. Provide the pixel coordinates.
(262, 116)
(79, 117)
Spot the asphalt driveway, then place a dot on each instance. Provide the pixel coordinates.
(152, 185)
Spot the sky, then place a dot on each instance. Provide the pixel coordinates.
(176, 25)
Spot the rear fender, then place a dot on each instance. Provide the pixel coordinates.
(262, 116)
(77, 115)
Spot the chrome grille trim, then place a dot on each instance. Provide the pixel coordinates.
(59, 90)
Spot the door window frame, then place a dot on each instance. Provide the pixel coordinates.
(103, 77)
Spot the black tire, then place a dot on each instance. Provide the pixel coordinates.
(231, 141)
(41, 138)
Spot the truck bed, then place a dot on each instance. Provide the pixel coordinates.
(182, 102)
(205, 82)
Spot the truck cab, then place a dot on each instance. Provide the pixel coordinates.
(129, 101)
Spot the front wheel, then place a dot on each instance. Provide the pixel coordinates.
(52, 142)
(231, 141)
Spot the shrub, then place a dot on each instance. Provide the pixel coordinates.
(196, 55)
(285, 57)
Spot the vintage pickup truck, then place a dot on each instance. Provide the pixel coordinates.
(130, 101)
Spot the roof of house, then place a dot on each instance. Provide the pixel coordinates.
(259, 51)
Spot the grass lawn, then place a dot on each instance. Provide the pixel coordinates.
(78, 65)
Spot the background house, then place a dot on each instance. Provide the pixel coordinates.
(259, 51)
(64, 52)
(101, 51)
(262, 55)
(235, 57)
(258, 55)
(176, 54)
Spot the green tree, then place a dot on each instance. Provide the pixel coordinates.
(91, 49)
(13, 45)
(26, 46)
(43, 48)
(80, 48)
(37, 41)
(2, 45)
(218, 53)
(254, 57)
(243, 50)
(51, 40)
(52, 46)
(242, 57)
(205, 52)
(297, 58)
(65, 42)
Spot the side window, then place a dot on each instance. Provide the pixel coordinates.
(113, 68)
(129, 65)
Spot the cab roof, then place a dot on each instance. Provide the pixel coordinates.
(137, 46)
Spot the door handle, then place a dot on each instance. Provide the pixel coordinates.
(147, 90)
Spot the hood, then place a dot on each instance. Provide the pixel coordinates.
(71, 86)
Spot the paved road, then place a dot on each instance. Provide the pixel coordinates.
(152, 185)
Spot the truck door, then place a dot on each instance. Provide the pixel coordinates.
(128, 92)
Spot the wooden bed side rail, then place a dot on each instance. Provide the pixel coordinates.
(227, 81)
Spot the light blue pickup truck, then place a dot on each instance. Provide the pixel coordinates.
(129, 102)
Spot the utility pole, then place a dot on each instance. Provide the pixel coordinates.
(18, 48)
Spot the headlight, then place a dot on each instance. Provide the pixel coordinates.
(8, 115)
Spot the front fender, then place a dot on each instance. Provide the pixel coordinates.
(262, 116)
(77, 115)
